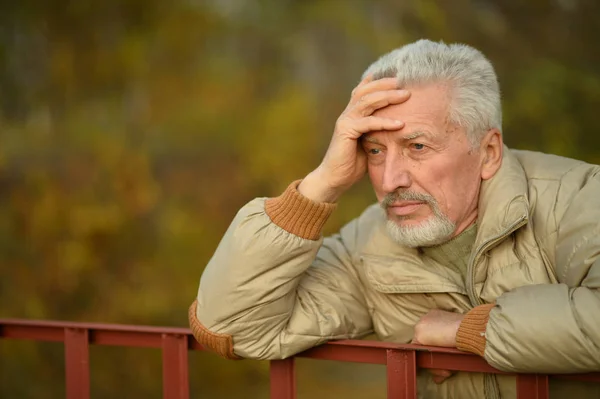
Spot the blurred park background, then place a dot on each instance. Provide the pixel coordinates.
(131, 131)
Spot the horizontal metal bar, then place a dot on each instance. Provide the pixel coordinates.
(355, 354)
(91, 326)
(453, 362)
(32, 332)
(426, 358)
(99, 337)
(373, 352)
(130, 338)
(391, 345)
(112, 335)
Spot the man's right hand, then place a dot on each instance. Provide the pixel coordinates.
(345, 162)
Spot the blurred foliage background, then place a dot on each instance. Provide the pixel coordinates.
(131, 131)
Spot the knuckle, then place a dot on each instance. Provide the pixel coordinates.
(376, 123)
(342, 120)
(418, 329)
(342, 123)
(370, 120)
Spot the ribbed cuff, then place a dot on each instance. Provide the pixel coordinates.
(471, 333)
(297, 214)
(221, 344)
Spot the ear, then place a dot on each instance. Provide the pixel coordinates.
(491, 149)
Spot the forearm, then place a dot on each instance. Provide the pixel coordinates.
(542, 328)
(315, 188)
(248, 289)
(264, 252)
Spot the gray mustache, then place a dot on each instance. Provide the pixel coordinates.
(391, 198)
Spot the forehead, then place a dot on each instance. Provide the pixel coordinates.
(428, 104)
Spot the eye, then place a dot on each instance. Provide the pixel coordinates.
(418, 146)
(374, 151)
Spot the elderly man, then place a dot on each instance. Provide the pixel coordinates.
(472, 245)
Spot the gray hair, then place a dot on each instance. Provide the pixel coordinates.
(473, 83)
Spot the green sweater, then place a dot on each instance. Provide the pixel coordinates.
(456, 252)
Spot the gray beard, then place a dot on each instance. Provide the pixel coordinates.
(434, 231)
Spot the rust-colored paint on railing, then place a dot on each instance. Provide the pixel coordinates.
(401, 374)
(77, 362)
(401, 361)
(283, 379)
(532, 386)
(175, 366)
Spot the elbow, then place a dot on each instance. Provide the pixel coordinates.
(221, 344)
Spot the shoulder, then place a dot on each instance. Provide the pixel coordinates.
(541, 166)
(552, 174)
(358, 232)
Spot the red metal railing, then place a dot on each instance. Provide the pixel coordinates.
(401, 360)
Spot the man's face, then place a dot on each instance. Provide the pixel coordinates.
(427, 175)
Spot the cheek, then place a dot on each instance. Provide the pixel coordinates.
(469, 174)
(462, 186)
(451, 185)
(376, 176)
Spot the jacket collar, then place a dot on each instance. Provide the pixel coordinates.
(503, 201)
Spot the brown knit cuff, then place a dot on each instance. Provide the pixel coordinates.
(471, 333)
(221, 344)
(297, 214)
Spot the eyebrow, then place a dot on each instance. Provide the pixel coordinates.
(369, 139)
(416, 134)
(410, 136)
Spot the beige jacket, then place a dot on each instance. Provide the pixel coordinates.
(275, 287)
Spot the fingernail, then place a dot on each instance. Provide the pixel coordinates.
(402, 91)
(397, 122)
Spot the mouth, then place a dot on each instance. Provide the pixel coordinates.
(404, 208)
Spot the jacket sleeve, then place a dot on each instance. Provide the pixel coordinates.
(274, 287)
(550, 328)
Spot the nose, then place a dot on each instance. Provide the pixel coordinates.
(396, 174)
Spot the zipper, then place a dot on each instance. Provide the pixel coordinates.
(477, 254)
(491, 388)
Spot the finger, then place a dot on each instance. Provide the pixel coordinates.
(439, 375)
(369, 86)
(439, 379)
(371, 102)
(440, 372)
(361, 84)
(366, 80)
(373, 124)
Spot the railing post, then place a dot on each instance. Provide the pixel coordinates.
(401, 374)
(77, 363)
(175, 367)
(532, 386)
(283, 379)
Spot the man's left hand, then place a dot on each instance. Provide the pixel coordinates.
(438, 328)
